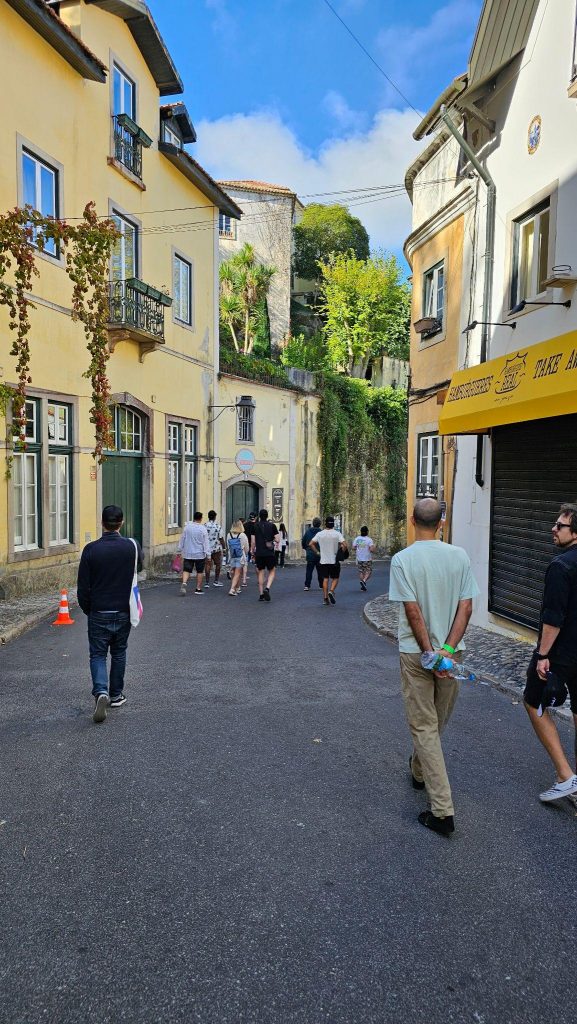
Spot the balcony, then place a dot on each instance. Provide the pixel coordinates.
(129, 141)
(136, 313)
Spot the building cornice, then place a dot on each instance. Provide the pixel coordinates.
(441, 218)
(199, 177)
(149, 41)
(48, 25)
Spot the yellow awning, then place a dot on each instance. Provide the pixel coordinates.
(532, 383)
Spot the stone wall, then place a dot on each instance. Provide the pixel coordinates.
(362, 502)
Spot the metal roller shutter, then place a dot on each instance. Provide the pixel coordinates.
(534, 470)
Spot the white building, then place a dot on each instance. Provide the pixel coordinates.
(267, 225)
(510, 411)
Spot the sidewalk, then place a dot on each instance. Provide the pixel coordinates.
(494, 658)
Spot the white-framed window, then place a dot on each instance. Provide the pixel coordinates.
(226, 226)
(124, 256)
(428, 465)
(25, 490)
(58, 498)
(59, 472)
(434, 296)
(181, 472)
(40, 190)
(174, 473)
(124, 93)
(127, 430)
(530, 253)
(182, 290)
(170, 136)
(245, 424)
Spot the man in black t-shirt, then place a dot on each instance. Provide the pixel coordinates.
(262, 547)
(249, 531)
(553, 667)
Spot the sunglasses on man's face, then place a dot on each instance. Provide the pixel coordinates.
(560, 526)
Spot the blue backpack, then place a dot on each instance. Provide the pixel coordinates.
(234, 546)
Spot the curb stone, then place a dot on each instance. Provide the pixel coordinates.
(513, 654)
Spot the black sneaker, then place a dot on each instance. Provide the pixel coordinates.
(326, 601)
(444, 826)
(261, 597)
(363, 585)
(417, 783)
(100, 708)
(266, 594)
(118, 701)
(332, 597)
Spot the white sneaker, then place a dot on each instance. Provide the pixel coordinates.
(219, 584)
(560, 790)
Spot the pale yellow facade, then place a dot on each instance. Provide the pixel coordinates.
(166, 462)
(432, 362)
(285, 476)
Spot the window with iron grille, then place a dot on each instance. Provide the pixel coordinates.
(428, 465)
(245, 424)
(226, 226)
(434, 297)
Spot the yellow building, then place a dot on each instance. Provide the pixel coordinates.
(442, 205)
(89, 125)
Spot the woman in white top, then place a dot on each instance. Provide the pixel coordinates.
(237, 545)
(281, 545)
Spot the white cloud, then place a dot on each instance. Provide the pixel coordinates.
(408, 52)
(260, 146)
(344, 116)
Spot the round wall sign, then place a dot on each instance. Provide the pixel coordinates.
(244, 460)
(534, 134)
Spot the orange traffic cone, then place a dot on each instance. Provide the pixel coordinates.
(63, 618)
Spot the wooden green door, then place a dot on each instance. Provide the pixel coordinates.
(122, 485)
(241, 500)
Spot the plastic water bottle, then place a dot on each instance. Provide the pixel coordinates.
(434, 662)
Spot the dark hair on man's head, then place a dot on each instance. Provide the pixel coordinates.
(212, 514)
(570, 510)
(252, 515)
(112, 517)
(427, 513)
(197, 517)
(316, 521)
(330, 521)
(364, 531)
(263, 514)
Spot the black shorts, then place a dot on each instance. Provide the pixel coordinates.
(193, 564)
(330, 572)
(265, 561)
(567, 673)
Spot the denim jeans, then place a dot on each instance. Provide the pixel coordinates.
(108, 631)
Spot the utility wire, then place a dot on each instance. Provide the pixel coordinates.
(373, 61)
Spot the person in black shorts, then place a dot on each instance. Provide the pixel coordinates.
(326, 543)
(262, 546)
(553, 668)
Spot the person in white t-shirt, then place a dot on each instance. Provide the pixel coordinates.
(326, 543)
(364, 548)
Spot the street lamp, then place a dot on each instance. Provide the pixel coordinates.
(537, 302)
(489, 323)
(244, 402)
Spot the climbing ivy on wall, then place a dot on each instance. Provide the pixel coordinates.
(359, 425)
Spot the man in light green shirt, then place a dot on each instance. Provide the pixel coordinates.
(434, 586)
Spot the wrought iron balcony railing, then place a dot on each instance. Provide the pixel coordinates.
(128, 142)
(138, 306)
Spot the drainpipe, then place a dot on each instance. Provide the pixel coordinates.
(489, 258)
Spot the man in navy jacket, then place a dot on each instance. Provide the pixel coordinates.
(104, 584)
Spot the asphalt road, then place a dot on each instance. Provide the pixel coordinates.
(239, 842)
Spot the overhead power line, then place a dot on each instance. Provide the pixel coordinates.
(372, 60)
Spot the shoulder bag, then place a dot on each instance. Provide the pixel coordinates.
(135, 603)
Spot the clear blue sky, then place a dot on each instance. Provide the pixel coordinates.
(279, 91)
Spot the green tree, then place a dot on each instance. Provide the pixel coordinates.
(322, 232)
(244, 284)
(366, 308)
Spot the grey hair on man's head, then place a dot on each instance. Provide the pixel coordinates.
(427, 513)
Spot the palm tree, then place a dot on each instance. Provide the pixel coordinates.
(244, 285)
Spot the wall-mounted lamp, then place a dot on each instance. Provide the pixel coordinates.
(244, 402)
(537, 302)
(489, 323)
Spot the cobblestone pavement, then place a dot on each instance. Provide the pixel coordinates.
(494, 658)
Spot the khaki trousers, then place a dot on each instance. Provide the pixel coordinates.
(429, 703)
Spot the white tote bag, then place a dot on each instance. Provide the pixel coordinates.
(135, 602)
